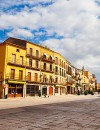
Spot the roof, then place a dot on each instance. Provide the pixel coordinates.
(19, 42)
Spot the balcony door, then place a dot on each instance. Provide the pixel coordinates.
(36, 77)
(44, 67)
(30, 62)
(12, 76)
(21, 60)
(31, 51)
(50, 67)
(29, 76)
(20, 74)
(37, 64)
(37, 53)
(13, 58)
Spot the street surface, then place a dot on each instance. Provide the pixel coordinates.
(69, 112)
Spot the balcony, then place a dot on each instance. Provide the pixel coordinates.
(32, 80)
(56, 62)
(48, 60)
(15, 77)
(69, 72)
(69, 82)
(33, 56)
(17, 62)
(47, 82)
(32, 67)
(56, 73)
(47, 69)
(60, 83)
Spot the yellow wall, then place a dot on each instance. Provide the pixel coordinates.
(12, 50)
(2, 58)
(34, 47)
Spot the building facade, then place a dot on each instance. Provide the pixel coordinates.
(28, 69)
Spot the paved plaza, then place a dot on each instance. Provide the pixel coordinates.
(68, 112)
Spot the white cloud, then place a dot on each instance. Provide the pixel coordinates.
(77, 21)
(20, 33)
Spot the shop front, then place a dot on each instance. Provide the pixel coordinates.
(62, 90)
(68, 88)
(57, 90)
(15, 90)
(32, 90)
(44, 90)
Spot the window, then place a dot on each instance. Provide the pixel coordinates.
(56, 80)
(44, 56)
(64, 64)
(13, 58)
(50, 57)
(64, 73)
(17, 50)
(56, 90)
(56, 69)
(36, 77)
(29, 76)
(30, 62)
(56, 60)
(63, 90)
(37, 53)
(50, 67)
(60, 79)
(12, 75)
(20, 74)
(21, 60)
(31, 51)
(66, 68)
(60, 71)
(50, 79)
(44, 67)
(60, 62)
(37, 64)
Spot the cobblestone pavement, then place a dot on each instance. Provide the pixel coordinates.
(72, 115)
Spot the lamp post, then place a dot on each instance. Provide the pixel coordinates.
(41, 75)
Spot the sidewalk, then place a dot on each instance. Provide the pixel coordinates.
(31, 101)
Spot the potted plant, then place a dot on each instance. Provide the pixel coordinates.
(85, 92)
(92, 93)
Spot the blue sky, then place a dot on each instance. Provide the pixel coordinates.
(69, 27)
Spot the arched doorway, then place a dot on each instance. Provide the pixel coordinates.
(50, 90)
(68, 89)
(44, 90)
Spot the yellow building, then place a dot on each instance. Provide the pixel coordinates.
(13, 57)
(28, 69)
(98, 86)
(32, 69)
(60, 74)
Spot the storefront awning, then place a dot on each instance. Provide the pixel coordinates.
(16, 82)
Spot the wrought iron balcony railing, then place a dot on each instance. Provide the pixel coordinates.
(48, 60)
(33, 55)
(16, 62)
(47, 69)
(10, 76)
